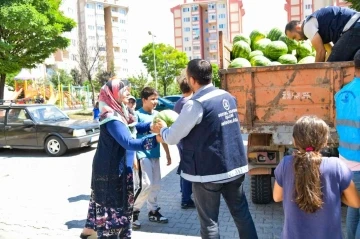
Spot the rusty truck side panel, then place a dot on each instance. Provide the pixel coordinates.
(279, 95)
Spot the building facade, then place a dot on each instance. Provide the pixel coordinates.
(101, 31)
(300, 9)
(197, 25)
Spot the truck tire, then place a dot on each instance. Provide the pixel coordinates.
(54, 146)
(261, 192)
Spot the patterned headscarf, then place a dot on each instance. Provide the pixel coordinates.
(110, 94)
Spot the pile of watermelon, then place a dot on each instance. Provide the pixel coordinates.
(273, 48)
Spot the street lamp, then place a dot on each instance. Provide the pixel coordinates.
(149, 32)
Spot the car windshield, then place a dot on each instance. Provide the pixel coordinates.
(47, 113)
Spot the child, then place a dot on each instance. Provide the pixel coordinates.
(96, 111)
(312, 187)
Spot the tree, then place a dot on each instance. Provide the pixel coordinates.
(61, 77)
(90, 60)
(355, 4)
(30, 31)
(216, 77)
(76, 75)
(103, 76)
(138, 82)
(169, 63)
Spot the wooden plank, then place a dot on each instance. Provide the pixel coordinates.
(225, 49)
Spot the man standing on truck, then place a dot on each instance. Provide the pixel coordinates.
(338, 25)
(213, 155)
(348, 129)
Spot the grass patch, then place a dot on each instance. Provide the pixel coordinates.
(81, 115)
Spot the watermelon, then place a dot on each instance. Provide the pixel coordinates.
(239, 62)
(274, 63)
(168, 116)
(304, 49)
(275, 49)
(307, 59)
(261, 44)
(255, 53)
(260, 61)
(242, 37)
(241, 49)
(287, 59)
(291, 44)
(274, 34)
(255, 36)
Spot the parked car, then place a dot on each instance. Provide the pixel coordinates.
(173, 98)
(34, 126)
(163, 104)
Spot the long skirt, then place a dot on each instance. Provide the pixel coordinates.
(112, 222)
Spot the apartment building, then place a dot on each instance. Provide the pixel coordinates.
(197, 25)
(66, 58)
(300, 9)
(103, 25)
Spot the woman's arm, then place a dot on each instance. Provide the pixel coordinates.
(350, 196)
(278, 192)
(142, 127)
(121, 134)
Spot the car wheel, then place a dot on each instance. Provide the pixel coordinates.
(54, 146)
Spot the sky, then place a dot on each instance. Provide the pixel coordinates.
(155, 16)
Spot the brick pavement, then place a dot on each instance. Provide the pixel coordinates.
(44, 197)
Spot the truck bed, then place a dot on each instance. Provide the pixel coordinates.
(271, 98)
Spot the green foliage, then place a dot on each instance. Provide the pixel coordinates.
(169, 63)
(216, 77)
(97, 85)
(103, 76)
(10, 78)
(355, 4)
(30, 30)
(76, 75)
(62, 77)
(138, 82)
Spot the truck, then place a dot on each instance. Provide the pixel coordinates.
(269, 101)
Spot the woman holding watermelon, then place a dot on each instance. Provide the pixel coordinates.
(112, 196)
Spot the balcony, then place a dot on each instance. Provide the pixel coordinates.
(212, 30)
(210, 20)
(213, 50)
(108, 3)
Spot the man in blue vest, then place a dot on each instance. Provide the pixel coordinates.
(341, 26)
(348, 128)
(213, 156)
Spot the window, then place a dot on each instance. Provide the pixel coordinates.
(101, 48)
(212, 17)
(206, 30)
(213, 47)
(125, 60)
(189, 58)
(196, 33)
(221, 26)
(92, 38)
(197, 57)
(186, 19)
(90, 15)
(124, 50)
(196, 48)
(186, 39)
(122, 21)
(221, 6)
(17, 116)
(90, 6)
(186, 9)
(100, 28)
(116, 49)
(73, 42)
(195, 18)
(91, 27)
(123, 41)
(195, 8)
(113, 9)
(211, 5)
(73, 57)
(222, 15)
(122, 11)
(99, 7)
(186, 29)
(2, 116)
(188, 48)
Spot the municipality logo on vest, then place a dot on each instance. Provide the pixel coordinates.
(226, 104)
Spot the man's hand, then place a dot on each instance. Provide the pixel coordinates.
(319, 47)
(136, 166)
(168, 160)
(157, 126)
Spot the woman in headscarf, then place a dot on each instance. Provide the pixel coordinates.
(112, 197)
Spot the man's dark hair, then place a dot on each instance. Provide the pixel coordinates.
(184, 86)
(291, 25)
(148, 91)
(357, 60)
(200, 70)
